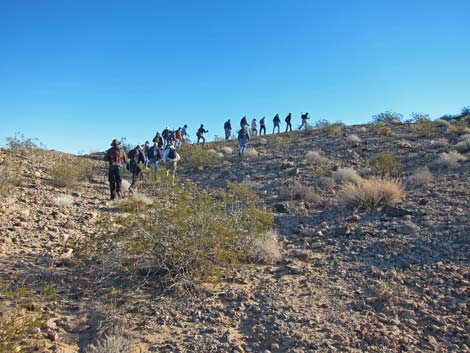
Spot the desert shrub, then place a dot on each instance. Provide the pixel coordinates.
(346, 175)
(464, 145)
(372, 193)
(459, 127)
(70, 174)
(354, 139)
(423, 126)
(382, 129)
(111, 344)
(420, 177)
(465, 111)
(442, 123)
(325, 127)
(227, 150)
(250, 152)
(264, 248)
(187, 237)
(63, 200)
(440, 142)
(387, 118)
(10, 175)
(402, 144)
(326, 182)
(316, 157)
(385, 164)
(197, 157)
(447, 160)
(298, 191)
(18, 142)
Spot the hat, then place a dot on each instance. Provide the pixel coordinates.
(115, 142)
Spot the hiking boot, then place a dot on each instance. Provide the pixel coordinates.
(131, 190)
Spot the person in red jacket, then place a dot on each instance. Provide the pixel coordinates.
(117, 160)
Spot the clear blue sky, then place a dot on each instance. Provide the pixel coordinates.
(76, 74)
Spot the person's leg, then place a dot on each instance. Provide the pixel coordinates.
(203, 141)
(112, 184)
(119, 182)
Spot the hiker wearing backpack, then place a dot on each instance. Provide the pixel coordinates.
(146, 152)
(262, 126)
(288, 122)
(178, 138)
(200, 135)
(184, 131)
(277, 123)
(244, 123)
(304, 118)
(154, 156)
(159, 140)
(243, 138)
(135, 156)
(116, 159)
(171, 158)
(228, 129)
(254, 128)
(166, 135)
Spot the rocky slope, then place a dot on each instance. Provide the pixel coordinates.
(384, 280)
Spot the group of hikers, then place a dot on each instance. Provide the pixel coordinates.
(165, 145)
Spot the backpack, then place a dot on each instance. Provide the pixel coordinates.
(152, 153)
(172, 153)
(133, 155)
(242, 134)
(116, 157)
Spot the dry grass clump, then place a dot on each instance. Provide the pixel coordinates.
(464, 145)
(316, 157)
(372, 193)
(10, 175)
(382, 129)
(111, 344)
(63, 201)
(442, 123)
(227, 150)
(326, 182)
(298, 191)
(420, 177)
(354, 139)
(447, 160)
(264, 248)
(346, 175)
(66, 174)
(250, 152)
(440, 142)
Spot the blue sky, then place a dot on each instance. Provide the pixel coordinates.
(76, 74)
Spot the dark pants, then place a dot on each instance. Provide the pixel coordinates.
(200, 137)
(227, 133)
(115, 180)
(288, 125)
(262, 130)
(135, 169)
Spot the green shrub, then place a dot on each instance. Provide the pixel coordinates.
(324, 126)
(382, 129)
(10, 175)
(385, 164)
(18, 142)
(187, 236)
(196, 157)
(459, 127)
(423, 126)
(70, 174)
(387, 118)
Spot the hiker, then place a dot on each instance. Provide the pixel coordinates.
(277, 123)
(178, 138)
(288, 123)
(166, 135)
(184, 131)
(304, 118)
(243, 138)
(159, 140)
(116, 158)
(200, 134)
(171, 158)
(146, 152)
(154, 156)
(244, 122)
(135, 156)
(254, 128)
(262, 126)
(228, 129)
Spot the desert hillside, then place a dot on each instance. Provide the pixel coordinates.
(335, 239)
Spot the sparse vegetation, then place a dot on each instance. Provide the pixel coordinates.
(18, 142)
(315, 157)
(10, 175)
(298, 191)
(327, 128)
(346, 175)
(382, 129)
(372, 193)
(354, 140)
(264, 248)
(423, 126)
(447, 160)
(385, 164)
(70, 174)
(250, 152)
(420, 177)
(195, 157)
(387, 117)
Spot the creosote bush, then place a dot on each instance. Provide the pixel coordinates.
(18, 142)
(385, 164)
(10, 175)
(70, 174)
(382, 129)
(423, 126)
(196, 157)
(387, 117)
(372, 193)
(186, 237)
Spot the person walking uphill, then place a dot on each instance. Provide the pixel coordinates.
(200, 134)
(135, 156)
(116, 159)
(277, 123)
(228, 129)
(243, 138)
(288, 122)
(262, 126)
(244, 123)
(304, 118)
(171, 158)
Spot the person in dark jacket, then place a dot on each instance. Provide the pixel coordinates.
(200, 134)
(244, 123)
(288, 122)
(228, 129)
(262, 126)
(117, 160)
(277, 123)
(135, 156)
(243, 138)
(304, 118)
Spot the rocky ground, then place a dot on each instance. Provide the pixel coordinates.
(392, 279)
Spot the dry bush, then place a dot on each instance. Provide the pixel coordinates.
(465, 137)
(197, 157)
(424, 127)
(354, 139)
(326, 182)
(420, 177)
(346, 175)
(262, 141)
(463, 146)
(264, 248)
(10, 175)
(447, 160)
(316, 157)
(442, 123)
(69, 175)
(459, 127)
(385, 164)
(382, 129)
(363, 129)
(298, 191)
(111, 344)
(372, 193)
(250, 152)
(227, 150)
(64, 200)
(440, 142)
